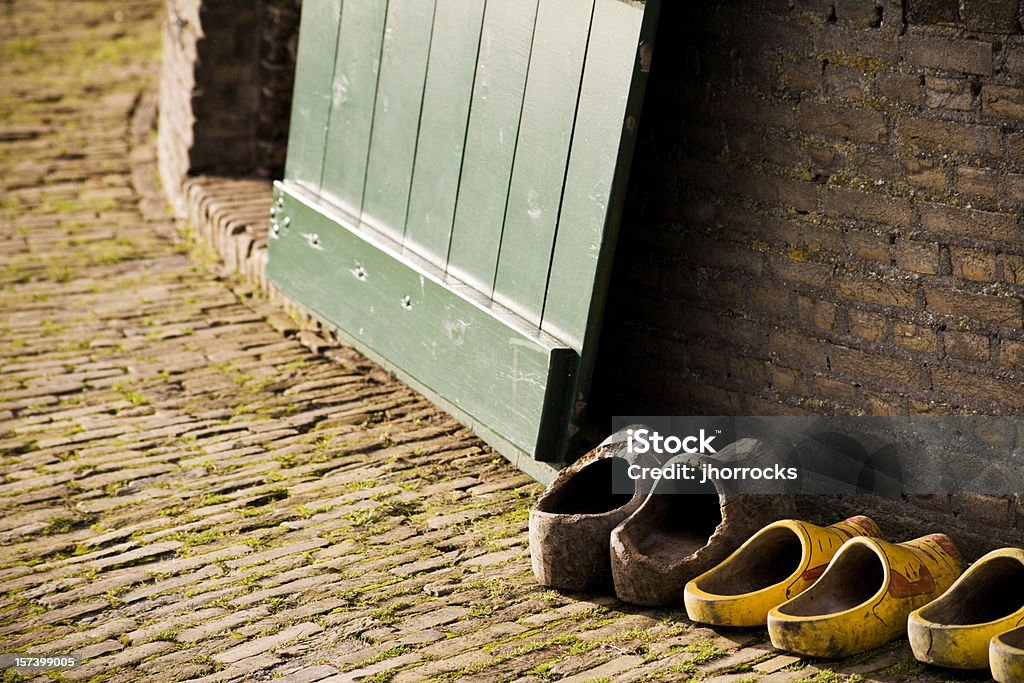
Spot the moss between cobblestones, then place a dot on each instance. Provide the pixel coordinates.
(543, 671)
(359, 518)
(830, 676)
(496, 587)
(907, 668)
(704, 650)
(558, 641)
(58, 525)
(387, 654)
(386, 615)
(749, 665)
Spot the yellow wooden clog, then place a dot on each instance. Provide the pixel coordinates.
(865, 595)
(955, 629)
(1006, 656)
(777, 563)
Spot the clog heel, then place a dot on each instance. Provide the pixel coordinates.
(1006, 656)
(777, 563)
(955, 630)
(571, 522)
(865, 595)
(682, 529)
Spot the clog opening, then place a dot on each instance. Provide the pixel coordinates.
(852, 579)
(995, 589)
(590, 490)
(769, 558)
(1014, 638)
(687, 522)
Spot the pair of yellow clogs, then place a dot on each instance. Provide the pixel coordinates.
(824, 591)
(977, 622)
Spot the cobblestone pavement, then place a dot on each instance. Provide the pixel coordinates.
(189, 492)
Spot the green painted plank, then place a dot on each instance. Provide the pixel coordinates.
(611, 97)
(449, 86)
(353, 96)
(396, 116)
(606, 119)
(549, 108)
(449, 340)
(505, 43)
(318, 37)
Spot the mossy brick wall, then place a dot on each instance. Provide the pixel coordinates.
(225, 88)
(825, 213)
(825, 218)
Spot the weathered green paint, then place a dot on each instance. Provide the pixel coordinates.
(549, 109)
(449, 340)
(466, 197)
(449, 86)
(504, 58)
(574, 306)
(353, 98)
(311, 104)
(396, 116)
(589, 208)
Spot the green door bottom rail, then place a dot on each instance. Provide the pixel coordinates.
(451, 342)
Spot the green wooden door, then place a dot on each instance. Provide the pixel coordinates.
(453, 186)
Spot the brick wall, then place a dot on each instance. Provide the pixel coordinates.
(825, 217)
(825, 212)
(225, 89)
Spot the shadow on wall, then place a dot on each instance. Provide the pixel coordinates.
(824, 217)
(824, 214)
(226, 88)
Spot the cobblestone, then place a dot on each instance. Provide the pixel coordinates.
(127, 657)
(261, 645)
(611, 670)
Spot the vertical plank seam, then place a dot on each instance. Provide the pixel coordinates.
(373, 113)
(568, 160)
(515, 148)
(330, 102)
(465, 137)
(419, 126)
(617, 189)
